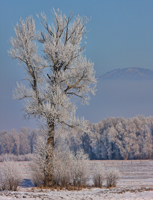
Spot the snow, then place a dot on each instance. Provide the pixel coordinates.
(86, 194)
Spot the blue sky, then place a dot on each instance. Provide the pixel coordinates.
(120, 36)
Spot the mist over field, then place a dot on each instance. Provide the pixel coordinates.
(114, 98)
(117, 98)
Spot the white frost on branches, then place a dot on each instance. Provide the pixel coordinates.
(10, 175)
(60, 73)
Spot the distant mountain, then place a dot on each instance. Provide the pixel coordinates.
(128, 74)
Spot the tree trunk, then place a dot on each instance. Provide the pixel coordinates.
(49, 158)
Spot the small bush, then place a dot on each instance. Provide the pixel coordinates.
(112, 176)
(38, 165)
(80, 169)
(37, 174)
(69, 169)
(62, 167)
(98, 176)
(10, 175)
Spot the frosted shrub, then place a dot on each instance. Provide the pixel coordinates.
(10, 175)
(38, 165)
(37, 174)
(68, 169)
(80, 169)
(112, 176)
(63, 161)
(98, 176)
(62, 174)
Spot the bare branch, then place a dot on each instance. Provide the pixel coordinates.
(71, 126)
(72, 93)
(69, 87)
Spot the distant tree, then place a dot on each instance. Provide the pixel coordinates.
(24, 142)
(32, 137)
(3, 144)
(15, 142)
(62, 72)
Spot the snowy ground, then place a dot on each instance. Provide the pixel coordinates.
(133, 172)
(86, 194)
(136, 182)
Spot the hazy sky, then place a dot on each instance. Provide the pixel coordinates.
(120, 36)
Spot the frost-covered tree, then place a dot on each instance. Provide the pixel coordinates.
(60, 73)
(119, 138)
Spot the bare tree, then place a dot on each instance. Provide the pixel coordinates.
(62, 72)
(15, 142)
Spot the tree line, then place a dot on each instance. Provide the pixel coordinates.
(117, 138)
(18, 143)
(112, 138)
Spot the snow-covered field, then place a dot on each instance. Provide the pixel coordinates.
(88, 194)
(136, 182)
